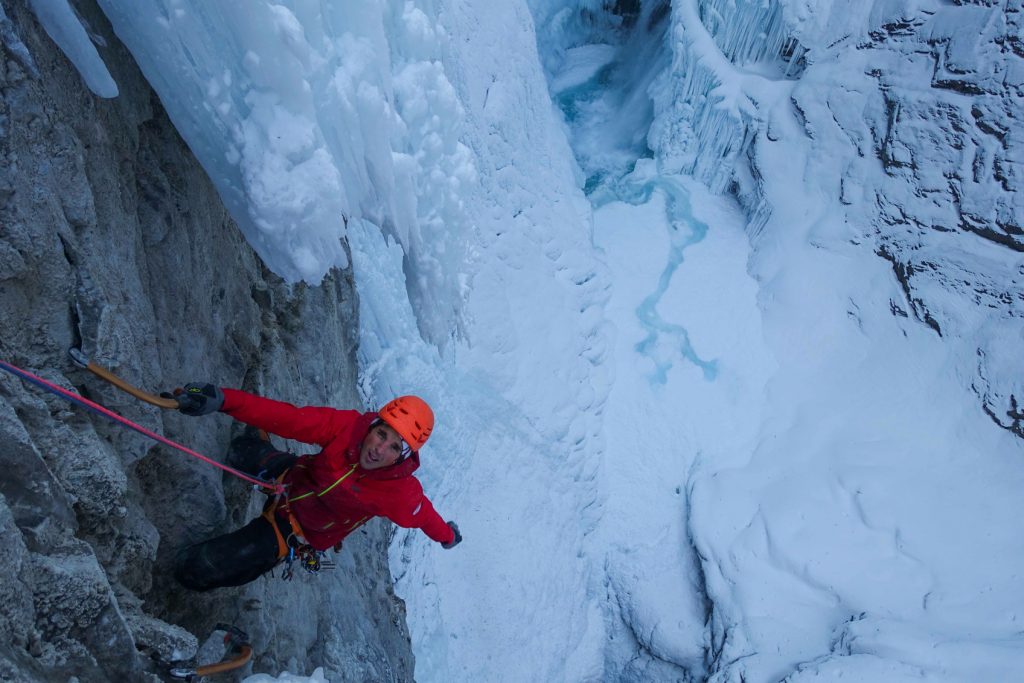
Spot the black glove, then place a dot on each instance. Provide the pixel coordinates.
(199, 399)
(455, 541)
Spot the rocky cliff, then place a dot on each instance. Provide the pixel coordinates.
(113, 239)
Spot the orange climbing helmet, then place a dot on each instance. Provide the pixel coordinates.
(411, 417)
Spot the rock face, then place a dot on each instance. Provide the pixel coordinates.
(113, 239)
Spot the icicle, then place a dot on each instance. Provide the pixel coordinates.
(747, 31)
(715, 119)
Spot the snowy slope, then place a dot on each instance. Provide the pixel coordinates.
(865, 533)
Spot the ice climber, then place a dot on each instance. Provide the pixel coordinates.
(364, 470)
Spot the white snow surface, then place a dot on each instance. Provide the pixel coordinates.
(682, 442)
(316, 677)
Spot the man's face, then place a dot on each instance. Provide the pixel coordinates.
(382, 447)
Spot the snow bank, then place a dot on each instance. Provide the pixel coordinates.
(858, 535)
(828, 488)
(316, 677)
(679, 253)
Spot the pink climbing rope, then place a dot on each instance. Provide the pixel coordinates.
(111, 415)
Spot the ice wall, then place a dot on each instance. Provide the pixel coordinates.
(518, 448)
(66, 29)
(310, 115)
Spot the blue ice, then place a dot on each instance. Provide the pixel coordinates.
(666, 341)
(608, 112)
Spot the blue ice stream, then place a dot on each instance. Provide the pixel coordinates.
(608, 116)
(665, 341)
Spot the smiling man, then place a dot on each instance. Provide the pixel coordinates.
(364, 470)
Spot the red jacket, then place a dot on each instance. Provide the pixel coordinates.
(329, 493)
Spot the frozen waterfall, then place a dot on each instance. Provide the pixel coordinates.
(720, 301)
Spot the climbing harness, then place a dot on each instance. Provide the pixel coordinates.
(71, 396)
(270, 513)
(307, 557)
(293, 548)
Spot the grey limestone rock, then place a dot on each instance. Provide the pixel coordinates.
(172, 643)
(16, 607)
(77, 614)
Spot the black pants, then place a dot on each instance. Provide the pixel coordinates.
(241, 556)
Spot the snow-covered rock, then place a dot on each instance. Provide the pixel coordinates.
(911, 115)
(872, 148)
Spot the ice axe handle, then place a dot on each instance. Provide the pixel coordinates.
(241, 658)
(82, 361)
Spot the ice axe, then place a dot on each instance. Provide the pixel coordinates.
(238, 652)
(163, 401)
(82, 361)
